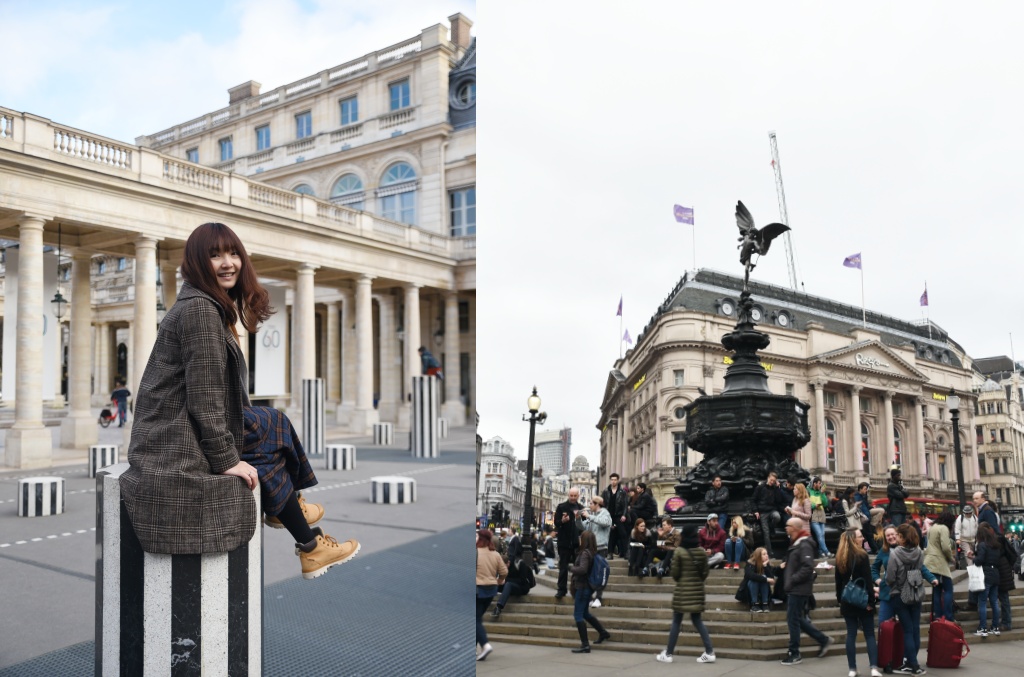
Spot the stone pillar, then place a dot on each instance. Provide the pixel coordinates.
(971, 435)
(390, 396)
(365, 415)
(348, 360)
(411, 356)
(169, 283)
(103, 358)
(819, 421)
(919, 430)
(890, 435)
(144, 330)
(78, 429)
(333, 361)
(303, 333)
(28, 444)
(452, 409)
(58, 359)
(858, 466)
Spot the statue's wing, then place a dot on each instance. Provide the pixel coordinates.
(743, 219)
(769, 233)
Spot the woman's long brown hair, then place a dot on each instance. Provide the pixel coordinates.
(247, 299)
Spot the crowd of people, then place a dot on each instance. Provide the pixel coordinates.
(877, 578)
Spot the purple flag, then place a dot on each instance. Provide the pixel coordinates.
(683, 214)
(924, 297)
(618, 313)
(852, 261)
(625, 337)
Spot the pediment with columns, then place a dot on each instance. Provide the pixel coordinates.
(867, 362)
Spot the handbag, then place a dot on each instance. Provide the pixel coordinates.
(855, 593)
(977, 578)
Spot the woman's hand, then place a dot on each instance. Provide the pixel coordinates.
(246, 472)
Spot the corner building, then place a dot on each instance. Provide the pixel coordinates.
(877, 392)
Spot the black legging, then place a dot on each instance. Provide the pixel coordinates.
(637, 556)
(295, 521)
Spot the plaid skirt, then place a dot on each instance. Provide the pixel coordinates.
(272, 447)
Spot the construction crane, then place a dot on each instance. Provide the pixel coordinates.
(783, 214)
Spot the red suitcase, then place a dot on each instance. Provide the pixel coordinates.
(946, 645)
(890, 645)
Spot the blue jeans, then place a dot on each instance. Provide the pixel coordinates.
(122, 410)
(760, 591)
(484, 595)
(865, 624)
(581, 605)
(734, 550)
(511, 588)
(797, 622)
(989, 597)
(673, 633)
(885, 611)
(818, 531)
(723, 521)
(898, 518)
(942, 598)
(910, 619)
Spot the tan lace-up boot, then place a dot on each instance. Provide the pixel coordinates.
(313, 512)
(327, 553)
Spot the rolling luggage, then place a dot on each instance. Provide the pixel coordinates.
(946, 645)
(890, 645)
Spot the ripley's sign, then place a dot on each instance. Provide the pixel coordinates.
(865, 361)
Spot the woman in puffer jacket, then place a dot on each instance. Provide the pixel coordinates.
(689, 570)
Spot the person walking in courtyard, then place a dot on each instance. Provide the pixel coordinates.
(759, 575)
(581, 592)
(490, 573)
(689, 570)
(799, 586)
(198, 447)
(906, 576)
(120, 398)
(852, 566)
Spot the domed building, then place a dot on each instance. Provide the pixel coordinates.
(583, 477)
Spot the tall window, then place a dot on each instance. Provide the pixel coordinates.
(192, 155)
(831, 399)
(227, 150)
(897, 451)
(865, 449)
(680, 377)
(263, 137)
(942, 466)
(349, 110)
(790, 389)
(303, 125)
(397, 193)
(830, 444)
(399, 92)
(101, 266)
(679, 450)
(980, 434)
(348, 190)
(462, 203)
(464, 319)
(122, 263)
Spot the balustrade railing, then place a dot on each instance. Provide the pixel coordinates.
(389, 228)
(301, 87)
(258, 158)
(91, 149)
(399, 51)
(299, 146)
(346, 133)
(272, 197)
(6, 126)
(336, 213)
(193, 176)
(401, 117)
(349, 69)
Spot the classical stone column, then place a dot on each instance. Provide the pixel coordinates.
(348, 360)
(411, 356)
(858, 466)
(971, 435)
(890, 435)
(452, 409)
(58, 360)
(333, 361)
(78, 429)
(390, 396)
(28, 444)
(365, 415)
(169, 283)
(819, 421)
(303, 333)
(144, 330)
(919, 431)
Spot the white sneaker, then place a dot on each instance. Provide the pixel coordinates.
(596, 604)
(485, 652)
(852, 673)
(706, 658)
(664, 657)
(875, 672)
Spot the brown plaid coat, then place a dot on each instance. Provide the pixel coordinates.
(187, 430)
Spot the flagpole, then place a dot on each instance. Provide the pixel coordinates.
(863, 308)
(620, 335)
(693, 231)
(928, 313)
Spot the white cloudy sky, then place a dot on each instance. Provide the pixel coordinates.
(899, 134)
(125, 68)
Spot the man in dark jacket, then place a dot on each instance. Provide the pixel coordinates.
(985, 511)
(616, 501)
(717, 500)
(645, 507)
(515, 546)
(799, 586)
(519, 582)
(566, 523)
(769, 504)
(897, 495)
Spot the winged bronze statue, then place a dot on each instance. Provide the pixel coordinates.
(753, 240)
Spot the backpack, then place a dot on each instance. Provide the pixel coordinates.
(912, 591)
(599, 571)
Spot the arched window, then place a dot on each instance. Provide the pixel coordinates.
(397, 193)
(830, 444)
(897, 451)
(865, 450)
(348, 191)
(304, 189)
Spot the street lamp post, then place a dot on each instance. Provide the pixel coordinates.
(533, 404)
(954, 410)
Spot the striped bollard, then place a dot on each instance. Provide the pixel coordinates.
(340, 457)
(383, 434)
(172, 614)
(313, 433)
(392, 489)
(102, 455)
(425, 408)
(40, 496)
(442, 428)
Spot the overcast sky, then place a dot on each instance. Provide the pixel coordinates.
(900, 137)
(127, 68)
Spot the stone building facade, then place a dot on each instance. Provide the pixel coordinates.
(999, 435)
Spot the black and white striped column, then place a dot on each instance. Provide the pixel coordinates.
(313, 434)
(425, 410)
(102, 455)
(340, 456)
(383, 434)
(40, 496)
(392, 489)
(172, 614)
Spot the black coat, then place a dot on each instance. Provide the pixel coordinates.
(897, 494)
(646, 508)
(861, 570)
(717, 499)
(618, 504)
(1005, 565)
(767, 499)
(799, 572)
(568, 532)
